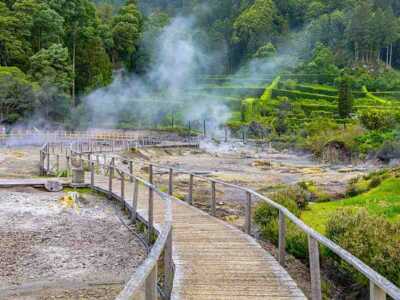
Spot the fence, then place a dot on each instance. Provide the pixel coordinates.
(379, 286)
(147, 276)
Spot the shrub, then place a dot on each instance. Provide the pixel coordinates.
(266, 217)
(374, 119)
(280, 124)
(357, 187)
(373, 141)
(375, 182)
(372, 239)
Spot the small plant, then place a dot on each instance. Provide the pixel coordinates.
(62, 173)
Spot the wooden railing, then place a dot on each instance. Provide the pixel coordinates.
(147, 275)
(379, 285)
(40, 138)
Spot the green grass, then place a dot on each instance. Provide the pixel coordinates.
(383, 201)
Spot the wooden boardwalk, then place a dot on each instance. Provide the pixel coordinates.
(213, 259)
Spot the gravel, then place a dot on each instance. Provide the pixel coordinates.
(76, 252)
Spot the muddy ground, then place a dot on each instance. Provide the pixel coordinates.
(19, 162)
(52, 248)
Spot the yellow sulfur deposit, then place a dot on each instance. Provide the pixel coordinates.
(70, 201)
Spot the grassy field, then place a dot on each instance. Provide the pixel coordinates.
(383, 200)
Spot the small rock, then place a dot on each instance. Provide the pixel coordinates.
(53, 186)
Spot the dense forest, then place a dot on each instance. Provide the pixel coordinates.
(54, 52)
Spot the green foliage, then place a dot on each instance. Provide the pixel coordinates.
(345, 103)
(294, 94)
(383, 200)
(373, 97)
(52, 66)
(17, 95)
(372, 239)
(266, 96)
(322, 63)
(266, 51)
(266, 218)
(374, 119)
(254, 23)
(373, 141)
(126, 27)
(321, 132)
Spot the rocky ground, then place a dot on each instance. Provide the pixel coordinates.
(19, 162)
(260, 168)
(52, 247)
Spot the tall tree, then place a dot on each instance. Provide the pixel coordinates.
(345, 104)
(52, 66)
(254, 26)
(126, 27)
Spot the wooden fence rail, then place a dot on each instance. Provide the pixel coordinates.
(380, 287)
(147, 275)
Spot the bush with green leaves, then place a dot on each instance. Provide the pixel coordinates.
(374, 119)
(266, 217)
(372, 239)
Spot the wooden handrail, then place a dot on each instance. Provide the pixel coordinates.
(146, 274)
(379, 285)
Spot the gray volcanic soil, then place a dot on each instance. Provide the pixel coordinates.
(49, 250)
(19, 162)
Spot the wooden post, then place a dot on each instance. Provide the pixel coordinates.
(97, 162)
(171, 182)
(57, 163)
(135, 200)
(204, 128)
(190, 198)
(123, 189)
(315, 271)
(48, 160)
(150, 205)
(131, 170)
(213, 199)
(110, 179)
(92, 174)
(248, 214)
(375, 292)
(168, 267)
(41, 163)
(68, 165)
(282, 238)
(151, 285)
